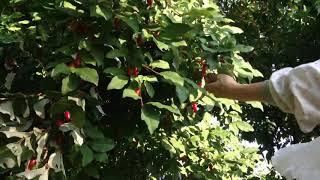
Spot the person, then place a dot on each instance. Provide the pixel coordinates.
(293, 90)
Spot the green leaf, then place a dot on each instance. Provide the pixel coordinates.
(93, 132)
(118, 82)
(182, 93)
(175, 30)
(211, 12)
(244, 126)
(39, 107)
(101, 157)
(114, 71)
(116, 53)
(131, 94)
(148, 78)
(162, 46)
(78, 116)
(160, 64)
(87, 74)
(60, 69)
(232, 29)
(131, 22)
(256, 104)
(102, 145)
(162, 106)
(179, 43)
(7, 108)
(20, 106)
(149, 89)
(173, 77)
(243, 48)
(69, 84)
(101, 11)
(97, 53)
(151, 117)
(68, 5)
(87, 59)
(87, 155)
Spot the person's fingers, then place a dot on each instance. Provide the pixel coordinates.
(211, 87)
(211, 77)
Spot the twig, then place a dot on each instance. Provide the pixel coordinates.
(147, 67)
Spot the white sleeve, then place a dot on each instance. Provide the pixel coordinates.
(297, 91)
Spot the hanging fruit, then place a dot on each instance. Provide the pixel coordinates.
(149, 3)
(31, 164)
(194, 106)
(67, 116)
(135, 72)
(138, 91)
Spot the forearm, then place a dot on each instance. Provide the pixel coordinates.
(251, 92)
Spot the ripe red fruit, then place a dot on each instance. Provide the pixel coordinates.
(149, 3)
(59, 122)
(32, 163)
(67, 116)
(200, 84)
(204, 70)
(138, 91)
(77, 61)
(194, 107)
(135, 72)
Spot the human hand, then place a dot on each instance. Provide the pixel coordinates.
(221, 85)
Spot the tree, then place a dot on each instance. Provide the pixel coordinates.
(284, 34)
(114, 89)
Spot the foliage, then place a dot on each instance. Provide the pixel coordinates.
(130, 75)
(284, 34)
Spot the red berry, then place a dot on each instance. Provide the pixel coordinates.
(67, 116)
(129, 71)
(138, 91)
(135, 72)
(200, 84)
(204, 70)
(149, 3)
(59, 122)
(77, 61)
(32, 163)
(194, 107)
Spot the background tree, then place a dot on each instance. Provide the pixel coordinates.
(284, 34)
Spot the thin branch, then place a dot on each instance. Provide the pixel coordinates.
(147, 67)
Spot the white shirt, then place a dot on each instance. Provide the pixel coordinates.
(297, 91)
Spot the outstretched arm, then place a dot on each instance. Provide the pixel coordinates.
(225, 86)
(293, 90)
